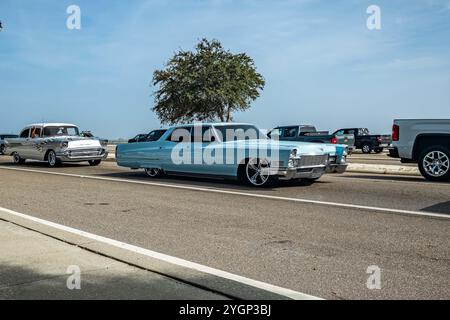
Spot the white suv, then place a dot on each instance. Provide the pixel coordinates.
(426, 142)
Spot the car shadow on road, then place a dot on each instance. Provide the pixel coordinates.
(443, 207)
(387, 177)
(205, 182)
(43, 165)
(30, 283)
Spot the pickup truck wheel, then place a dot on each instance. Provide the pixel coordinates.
(94, 163)
(366, 148)
(255, 173)
(434, 163)
(52, 160)
(378, 150)
(154, 172)
(17, 159)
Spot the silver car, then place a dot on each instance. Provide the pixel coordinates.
(55, 143)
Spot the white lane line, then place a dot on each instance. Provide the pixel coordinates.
(170, 259)
(247, 194)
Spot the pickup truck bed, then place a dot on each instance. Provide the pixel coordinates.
(425, 142)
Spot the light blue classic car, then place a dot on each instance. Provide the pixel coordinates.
(231, 150)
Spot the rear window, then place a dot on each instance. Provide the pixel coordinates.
(60, 131)
(307, 129)
(155, 135)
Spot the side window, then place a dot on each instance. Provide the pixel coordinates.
(289, 132)
(35, 132)
(340, 132)
(351, 132)
(206, 134)
(25, 133)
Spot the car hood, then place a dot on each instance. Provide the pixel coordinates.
(76, 142)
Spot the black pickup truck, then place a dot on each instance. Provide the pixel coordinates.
(365, 141)
(308, 133)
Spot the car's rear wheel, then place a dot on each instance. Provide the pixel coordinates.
(94, 163)
(52, 160)
(154, 172)
(255, 172)
(17, 159)
(378, 150)
(434, 163)
(366, 148)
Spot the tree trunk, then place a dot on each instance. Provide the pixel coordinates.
(228, 114)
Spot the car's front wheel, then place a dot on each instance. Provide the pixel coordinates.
(434, 163)
(256, 173)
(17, 159)
(52, 160)
(94, 163)
(154, 172)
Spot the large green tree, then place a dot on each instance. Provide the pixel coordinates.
(207, 84)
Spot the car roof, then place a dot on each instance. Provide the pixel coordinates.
(216, 124)
(296, 125)
(56, 124)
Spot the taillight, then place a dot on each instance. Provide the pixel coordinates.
(334, 140)
(395, 132)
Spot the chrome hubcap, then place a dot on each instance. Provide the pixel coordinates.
(366, 149)
(51, 158)
(152, 172)
(257, 171)
(16, 158)
(436, 163)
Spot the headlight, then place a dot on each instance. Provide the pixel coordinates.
(293, 153)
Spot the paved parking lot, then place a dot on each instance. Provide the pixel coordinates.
(316, 239)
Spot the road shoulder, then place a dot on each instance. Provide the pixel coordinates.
(36, 266)
(219, 287)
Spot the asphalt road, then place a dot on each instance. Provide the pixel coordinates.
(321, 249)
(377, 158)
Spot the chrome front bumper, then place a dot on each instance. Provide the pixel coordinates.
(78, 155)
(299, 173)
(336, 168)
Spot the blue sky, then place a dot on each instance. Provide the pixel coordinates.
(321, 64)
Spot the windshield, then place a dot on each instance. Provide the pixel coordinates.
(239, 132)
(60, 131)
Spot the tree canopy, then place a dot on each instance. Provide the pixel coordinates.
(207, 84)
